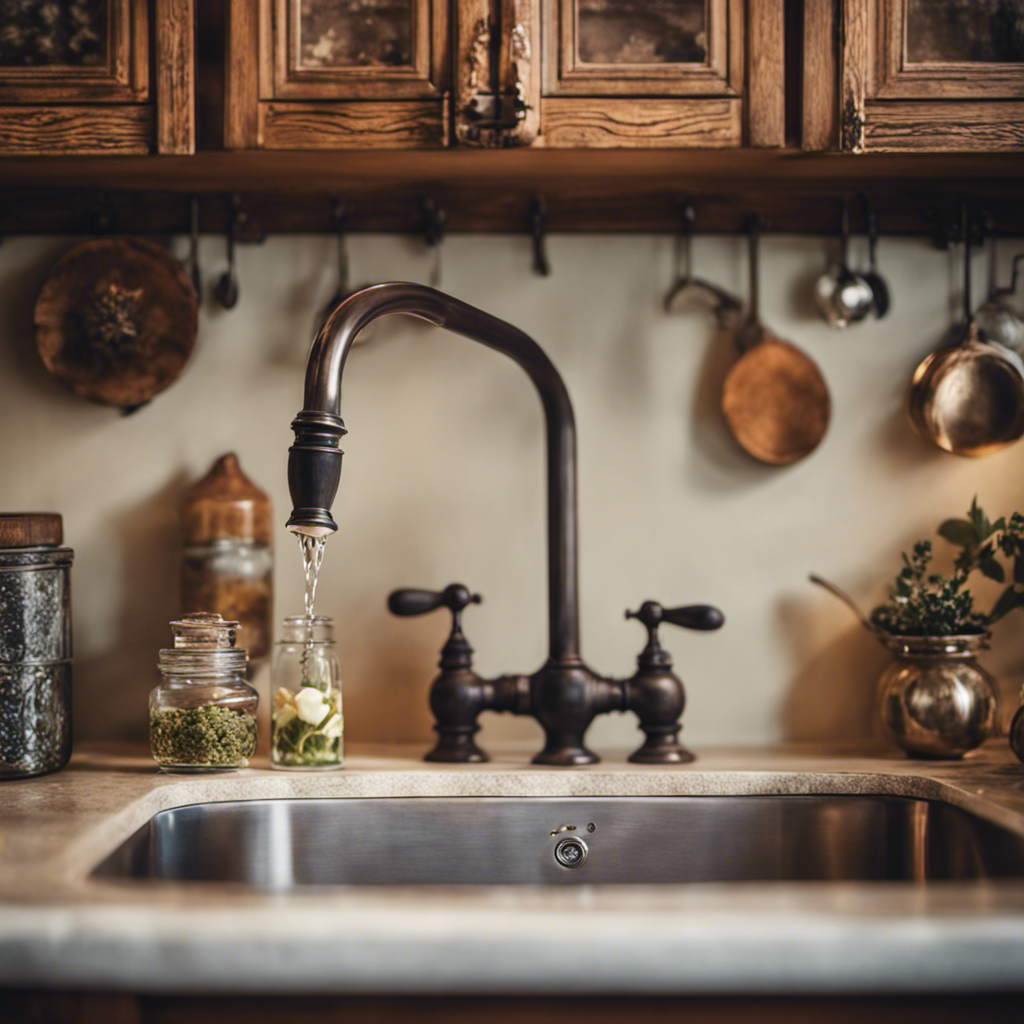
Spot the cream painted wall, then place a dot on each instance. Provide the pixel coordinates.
(443, 477)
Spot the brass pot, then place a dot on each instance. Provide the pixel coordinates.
(935, 700)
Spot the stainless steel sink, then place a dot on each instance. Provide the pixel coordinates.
(284, 844)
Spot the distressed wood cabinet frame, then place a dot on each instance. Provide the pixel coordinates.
(128, 105)
(737, 94)
(887, 103)
(273, 101)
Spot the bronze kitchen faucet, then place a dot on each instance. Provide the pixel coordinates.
(564, 695)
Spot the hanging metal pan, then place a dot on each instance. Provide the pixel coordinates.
(116, 320)
(775, 398)
(968, 398)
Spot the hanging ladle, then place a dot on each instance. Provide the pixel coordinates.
(880, 294)
(775, 398)
(968, 397)
(837, 591)
(844, 297)
(227, 285)
(997, 322)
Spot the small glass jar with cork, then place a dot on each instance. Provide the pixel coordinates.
(202, 716)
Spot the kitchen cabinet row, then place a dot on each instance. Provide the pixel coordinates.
(122, 76)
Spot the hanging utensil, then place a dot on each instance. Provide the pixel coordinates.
(968, 397)
(538, 233)
(837, 591)
(227, 286)
(431, 226)
(775, 398)
(193, 248)
(843, 296)
(116, 320)
(880, 294)
(340, 218)
(996, 321)
(727, 307)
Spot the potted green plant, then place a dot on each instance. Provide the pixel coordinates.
(934, 699)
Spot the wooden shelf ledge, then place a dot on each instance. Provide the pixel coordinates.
(492, 190)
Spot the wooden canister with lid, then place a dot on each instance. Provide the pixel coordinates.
(227, 556)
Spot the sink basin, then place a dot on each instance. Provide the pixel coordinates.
(286, 844)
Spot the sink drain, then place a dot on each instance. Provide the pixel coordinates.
(571, 853)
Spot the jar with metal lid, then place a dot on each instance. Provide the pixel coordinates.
(202, 716)
(307, 726)
(35, 644)
(227, 558)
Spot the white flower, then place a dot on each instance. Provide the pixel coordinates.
(334, 726)
(311, 705)
(283, 715)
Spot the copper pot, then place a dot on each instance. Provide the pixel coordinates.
(968, 397)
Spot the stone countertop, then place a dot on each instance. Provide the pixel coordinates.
(61, 928)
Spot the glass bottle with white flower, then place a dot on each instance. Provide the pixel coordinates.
(307, 725)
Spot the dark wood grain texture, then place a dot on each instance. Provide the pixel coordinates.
(76, 130)
(597, 123)
(241, 82)
(174, 29)
(936, 126)
(820, 120)
(766, 73)
(356, 125)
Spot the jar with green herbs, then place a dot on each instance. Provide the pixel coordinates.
(202, 716)
(307, 726)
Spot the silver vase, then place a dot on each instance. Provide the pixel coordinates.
(935, 699)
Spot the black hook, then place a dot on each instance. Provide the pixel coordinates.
(538, 229)
(193, 246)
(431, 226)
(684, 240)
(340, 220)
(432, 222)
(102, 217)
(227, 287)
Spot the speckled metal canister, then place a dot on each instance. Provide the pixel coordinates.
(35, 659)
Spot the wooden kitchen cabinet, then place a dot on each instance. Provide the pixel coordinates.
(370, 74)
(336, 74)
(915, 76)
(96, 77)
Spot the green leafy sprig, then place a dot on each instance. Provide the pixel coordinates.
(923, 603)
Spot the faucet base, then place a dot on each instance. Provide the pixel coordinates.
(662, 750)
(567, 756)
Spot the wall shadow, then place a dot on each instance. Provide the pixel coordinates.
(112, 685)
(832, 698)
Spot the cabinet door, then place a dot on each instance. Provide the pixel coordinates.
(643, 73)
(76, 77)
(932, 75)
(336, 74)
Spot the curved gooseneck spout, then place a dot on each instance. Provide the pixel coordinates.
(564, 695)
(314, 464)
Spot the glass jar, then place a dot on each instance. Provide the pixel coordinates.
(202, 716)
(307, 726)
